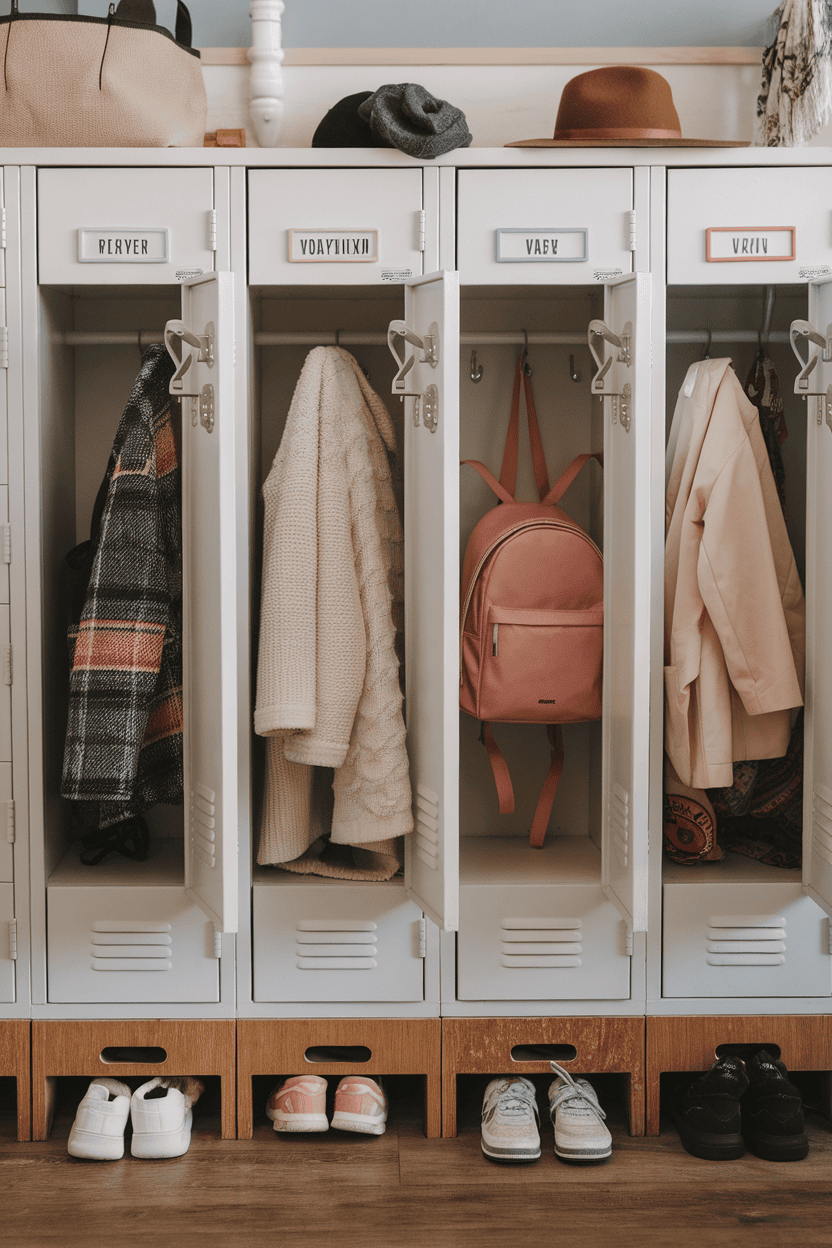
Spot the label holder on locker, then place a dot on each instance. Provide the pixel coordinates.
(177, 338)
(621, 354)
(805, 329)
(427, 402)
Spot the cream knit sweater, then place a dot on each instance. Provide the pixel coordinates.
(328, 690)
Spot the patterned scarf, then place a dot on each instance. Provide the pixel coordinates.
(796, 91)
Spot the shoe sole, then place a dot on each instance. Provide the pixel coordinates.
(584, 1154)
(709, 1145)
(153, 1145)
(359, 1123)
(778, 1147)
(91, 1147)
(305, 1123)
(512, 1156)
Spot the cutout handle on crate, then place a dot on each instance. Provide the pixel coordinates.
(338, 1053)
(139, 1055)
(544, 1053)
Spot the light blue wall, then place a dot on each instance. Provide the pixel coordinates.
(474, 23)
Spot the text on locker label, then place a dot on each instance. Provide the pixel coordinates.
(123, 246)
(333, 246)
(742, 243)
(553, 246)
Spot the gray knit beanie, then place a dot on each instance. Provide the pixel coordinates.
(414, 121)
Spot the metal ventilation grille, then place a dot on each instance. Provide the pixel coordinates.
(204, 824)
(426, 826)
(336, 945)
(620, 824)
(822, 823)
(528, 943)
(130, 945)
(746, 940)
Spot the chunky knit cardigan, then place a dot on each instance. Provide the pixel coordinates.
(328, 692)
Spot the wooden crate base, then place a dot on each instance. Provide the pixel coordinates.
(690, 1044)
(474, 1046)
(15, 1063)
(194, 1047)
(398, 1047)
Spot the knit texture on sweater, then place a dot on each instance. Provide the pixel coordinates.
(328, 691)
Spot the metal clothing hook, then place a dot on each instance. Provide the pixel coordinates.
(337, 337)
(476, 372)
(573, 372)
(525, 356)
(707, 354)
(768, 313)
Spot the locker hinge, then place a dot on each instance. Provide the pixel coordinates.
(10, 827)
(6, 538)
(4, 346)
(631, 226)
(217, 944)
(829, 936)
(423, 938)
(7, 668)
(13, 939)
(628, 938)
(3, 228)
(212, 230)
(421, 246)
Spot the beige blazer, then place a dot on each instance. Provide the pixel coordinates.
(734, 610)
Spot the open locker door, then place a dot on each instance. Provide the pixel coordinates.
(202, 345)
(426, 346)
(621, 346)
(817, 762)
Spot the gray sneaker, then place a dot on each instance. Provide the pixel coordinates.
(510, 1121)
(578, 1119)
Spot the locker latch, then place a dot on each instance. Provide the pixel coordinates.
(217, 944)
(425, 404)
(178, 338)
(631, 229)
(804, 329)
(599, 332)
(423, 938)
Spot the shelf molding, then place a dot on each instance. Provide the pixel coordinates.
(496, 56)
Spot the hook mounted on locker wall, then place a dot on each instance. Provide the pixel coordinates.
(476, 370)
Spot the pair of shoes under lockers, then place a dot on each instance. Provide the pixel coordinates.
(299, 1104)
(160, 1111)
(742, 1104)
(511, 1122)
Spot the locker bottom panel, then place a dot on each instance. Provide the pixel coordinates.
(747, 930)
(331, 940)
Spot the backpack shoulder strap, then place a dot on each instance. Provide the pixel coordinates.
(565, 479)
(508, 471)
(489, 479)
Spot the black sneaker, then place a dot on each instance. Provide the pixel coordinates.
(707, 1112)
(772, 1112)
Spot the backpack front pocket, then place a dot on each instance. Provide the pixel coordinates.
(542, 666)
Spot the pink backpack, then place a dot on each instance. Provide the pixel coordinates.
(531, 638)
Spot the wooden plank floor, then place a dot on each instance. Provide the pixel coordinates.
(403, 1191)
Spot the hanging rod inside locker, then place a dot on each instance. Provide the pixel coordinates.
(355, 338)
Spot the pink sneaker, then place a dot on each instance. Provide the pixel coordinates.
(299, 1104)
(360, 1105)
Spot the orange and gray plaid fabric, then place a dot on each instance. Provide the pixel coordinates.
(123, 749)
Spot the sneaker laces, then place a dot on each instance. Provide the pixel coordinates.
(511, 1098)
(572, 1092)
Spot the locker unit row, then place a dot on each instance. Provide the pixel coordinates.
(262, 264)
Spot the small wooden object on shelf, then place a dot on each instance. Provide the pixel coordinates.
(278, 1047)
(226, 138)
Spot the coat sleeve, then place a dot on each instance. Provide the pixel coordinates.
(752, 603)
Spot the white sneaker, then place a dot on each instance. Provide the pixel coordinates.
(510, 1121)
(98, 1130)
(161, 1111)
(580, 1134)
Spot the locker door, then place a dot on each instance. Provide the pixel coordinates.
(817, 765)
(202, 343)
(626, 592)
(431, 588)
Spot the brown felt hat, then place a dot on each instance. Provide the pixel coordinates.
(619, 106)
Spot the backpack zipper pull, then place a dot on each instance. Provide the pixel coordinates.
(494, 641)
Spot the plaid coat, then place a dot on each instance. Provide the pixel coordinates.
(123, 748)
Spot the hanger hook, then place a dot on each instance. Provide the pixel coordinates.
(573, 372)
(707, 354)
(337, 337)
(476, 372)
(525, 356)
(139, 340)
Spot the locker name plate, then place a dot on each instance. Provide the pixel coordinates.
(726, 244)
(333, 246)
(130, 246)
(555, 246)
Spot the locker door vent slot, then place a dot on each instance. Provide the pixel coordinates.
(822, 823)
(746, 940)
(338, 1053)
(203, 825)
(619, 813)
(426, 829)
(544, 1053)
(535, 943)
(125, 945)
(336, 945)
(152, 1055)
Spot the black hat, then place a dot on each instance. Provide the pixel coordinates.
(343, 127)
